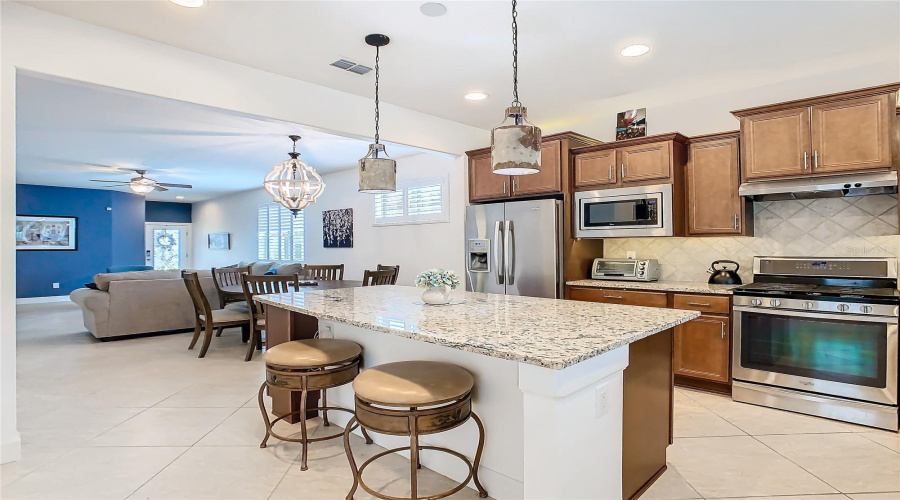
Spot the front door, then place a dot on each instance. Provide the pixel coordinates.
(168, 245)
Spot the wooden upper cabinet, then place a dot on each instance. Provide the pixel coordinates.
(646, 162)
(598, 168)
(852, 134)
(549, 180)
(776, 144)
(702, 348)
(484, 184)
(825, 135)
(713, 179)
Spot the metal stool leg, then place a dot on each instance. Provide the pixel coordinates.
(481, 491)
(413, 458)
(265, 414)
(325, 412)
(350, 458)
(305, 442)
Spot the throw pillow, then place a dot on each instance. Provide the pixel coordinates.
(92, 286)
(270, 272)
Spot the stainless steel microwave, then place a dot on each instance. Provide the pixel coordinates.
(624, 212)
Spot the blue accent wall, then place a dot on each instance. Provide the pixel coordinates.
(105, 237)
(164, 211)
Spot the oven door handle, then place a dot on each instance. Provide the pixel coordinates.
(817, 315)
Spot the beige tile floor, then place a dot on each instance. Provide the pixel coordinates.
(144, 418)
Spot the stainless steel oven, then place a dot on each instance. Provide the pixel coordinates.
(852, 356)
(624, 212)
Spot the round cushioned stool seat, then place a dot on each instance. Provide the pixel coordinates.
(413, 383)
(312, 352)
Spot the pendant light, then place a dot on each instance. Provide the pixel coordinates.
(516, 143)
(377, 171)
(294, 184)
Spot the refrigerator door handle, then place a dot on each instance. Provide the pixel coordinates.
(510, 257)
(499, 252)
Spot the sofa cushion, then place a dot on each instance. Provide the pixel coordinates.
(102, 280)
(288, 269)
(259, 267)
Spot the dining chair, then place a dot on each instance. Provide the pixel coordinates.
(262, 285)
(373, 278)
(324, 272)
(208, 319)
(387, 268)
(228, 276)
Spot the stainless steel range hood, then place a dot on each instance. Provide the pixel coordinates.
(821, 187)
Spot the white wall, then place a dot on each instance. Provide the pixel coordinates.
(413, 247)
(39, 42)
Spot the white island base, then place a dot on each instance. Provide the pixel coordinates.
(549, 434)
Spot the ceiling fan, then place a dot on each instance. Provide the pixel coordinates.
(143, 184)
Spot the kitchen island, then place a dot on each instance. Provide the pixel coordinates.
(559, 384)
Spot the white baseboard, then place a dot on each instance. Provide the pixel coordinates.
(42, 300)
(11, 451)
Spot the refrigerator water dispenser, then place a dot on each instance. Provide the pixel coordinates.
(479, 256)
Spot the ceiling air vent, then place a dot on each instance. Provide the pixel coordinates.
(348, 65)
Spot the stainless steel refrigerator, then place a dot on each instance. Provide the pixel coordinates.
(515, 248)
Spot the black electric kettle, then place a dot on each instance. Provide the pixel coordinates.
(723, 275)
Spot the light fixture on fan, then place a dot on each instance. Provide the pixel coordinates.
(294, 184)
(377, 171)
(516, 143)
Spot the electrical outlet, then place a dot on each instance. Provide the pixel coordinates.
(601, 401)
(326, 332)
(56, 285)
(631, 254)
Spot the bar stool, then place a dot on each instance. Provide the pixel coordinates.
(309, 365)
(434, 397)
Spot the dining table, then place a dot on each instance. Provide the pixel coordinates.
(284, 326)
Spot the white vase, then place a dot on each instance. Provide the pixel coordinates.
(436, 295)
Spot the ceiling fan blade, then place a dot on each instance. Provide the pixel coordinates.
(168, 184)
(112, 182)
(160, 188)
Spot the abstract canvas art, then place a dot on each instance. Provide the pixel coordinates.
(337, 228)
(36, 232)
(219, 241)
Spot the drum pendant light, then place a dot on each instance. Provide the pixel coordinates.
(294, 184)
(377, 171)
(516, 143)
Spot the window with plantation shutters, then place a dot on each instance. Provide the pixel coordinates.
(279, 233)
(421, 201)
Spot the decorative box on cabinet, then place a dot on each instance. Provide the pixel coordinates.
(712, 180)
(826, 135)
(657, 159)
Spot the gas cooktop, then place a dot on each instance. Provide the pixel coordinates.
(810, 290)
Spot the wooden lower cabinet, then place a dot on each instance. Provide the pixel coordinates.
(702, 348)
(623, 297)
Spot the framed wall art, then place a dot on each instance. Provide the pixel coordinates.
(337, 228)
(45, 232)
(631, 124)
(219, 241)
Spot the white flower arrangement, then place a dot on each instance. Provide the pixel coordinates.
(437, 277)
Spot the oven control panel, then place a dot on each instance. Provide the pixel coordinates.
(825, 306)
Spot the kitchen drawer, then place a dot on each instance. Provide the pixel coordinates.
(624, 297)
(705, 303)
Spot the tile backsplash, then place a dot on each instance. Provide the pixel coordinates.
(864, 226)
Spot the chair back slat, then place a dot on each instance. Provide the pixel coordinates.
(195, 290)
(265, 285)
(396, 270)
(330, 272)
(374, 278)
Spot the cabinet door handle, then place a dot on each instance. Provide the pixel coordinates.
(723, 329)
(611, 167)
(805, 160)
(623, 170)
(513, 186)
(815, 159)
(504, 187)
(703, 304)
(612, 297)
(737, 221)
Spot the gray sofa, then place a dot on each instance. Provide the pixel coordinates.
(139, 302)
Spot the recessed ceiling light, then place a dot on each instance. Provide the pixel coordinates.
(635, 50)
(433, 9)
(189, 3)
(179, 197)
(476, 96)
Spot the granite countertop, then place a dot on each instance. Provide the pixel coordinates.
(662, 286)
(544, 332)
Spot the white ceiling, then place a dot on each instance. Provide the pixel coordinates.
(569, 51)
(68, 133)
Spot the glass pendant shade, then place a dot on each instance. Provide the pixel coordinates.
(516, 145)
(294, 184)
(377, 171)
